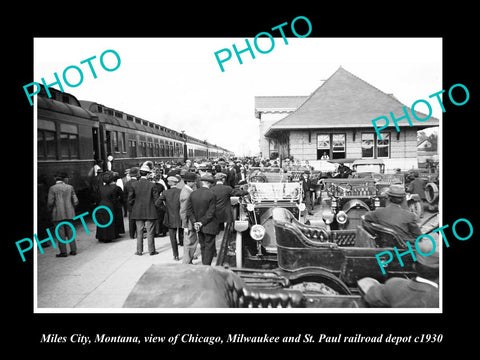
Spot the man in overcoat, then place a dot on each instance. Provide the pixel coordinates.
(172, 220)
(190, 240)
(201, 212)
(394, 216)
(307, 187)
(223, 209)
(142, 198)
(134, 174)
(419, 292)
(61, 202)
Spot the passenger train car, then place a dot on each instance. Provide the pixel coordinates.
(72, 134)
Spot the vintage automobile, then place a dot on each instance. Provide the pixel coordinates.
(318, 267)
(254, 240)
(349, 254)
(176, 286)
(346, 200)
(375, 169)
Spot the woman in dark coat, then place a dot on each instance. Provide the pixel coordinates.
(111, 197)
(160, 228)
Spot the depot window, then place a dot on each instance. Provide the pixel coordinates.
(331, 146)
(372, 147)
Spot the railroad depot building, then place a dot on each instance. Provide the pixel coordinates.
(335, 122)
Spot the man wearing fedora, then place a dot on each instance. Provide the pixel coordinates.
(201, 212)
(61, 202)
(134, 174)
(172, 221)
(419, 292)
(142, 198)
(395, 216)
(307, 187)
(190, 240)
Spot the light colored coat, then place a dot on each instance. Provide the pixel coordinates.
(61, 201)
(184, 196)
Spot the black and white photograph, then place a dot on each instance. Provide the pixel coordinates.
(320, 177)
(285, 185)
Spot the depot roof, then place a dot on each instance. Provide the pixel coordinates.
(346, 101)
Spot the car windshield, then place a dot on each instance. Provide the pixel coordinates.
(362, 168)
(275, 191)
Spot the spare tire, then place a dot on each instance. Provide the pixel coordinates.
(431, 193)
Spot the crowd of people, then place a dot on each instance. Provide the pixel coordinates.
(190, 202)
(187, 201)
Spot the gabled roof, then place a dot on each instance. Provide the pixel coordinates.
(346, 101)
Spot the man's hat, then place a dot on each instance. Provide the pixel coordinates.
(134, 172)
(172, 179)
(207, 177)
(220, 176)
(145, 167)
(190, 176)
(426, 246)
(396, 190)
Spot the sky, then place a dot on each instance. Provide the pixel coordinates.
(178, 83)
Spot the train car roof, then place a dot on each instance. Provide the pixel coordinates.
(139, 123)
(136, 122)
(55, 106)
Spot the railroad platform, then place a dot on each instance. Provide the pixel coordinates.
(101, 275)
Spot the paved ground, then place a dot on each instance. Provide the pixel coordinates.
(101, 275)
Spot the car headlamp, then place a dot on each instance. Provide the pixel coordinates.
(301, 207)
(342, 217)
(327, 217)
(257, 232)
(250, 207)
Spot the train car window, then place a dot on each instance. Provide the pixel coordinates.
(133, 148)
(46, 144)
(68, 146)
(150, 149)
(115, 141)
(46, 125)
(69, 128)
(122, 142)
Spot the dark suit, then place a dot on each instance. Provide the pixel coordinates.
(231, 177)
(402, 293)
(142, 197)
(172, 217)
(201, 208)
(131, 222)
(223, 210)
(307, 187)
(401, 220)
(417, 186)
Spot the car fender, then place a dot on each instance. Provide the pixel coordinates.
(354, 203)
